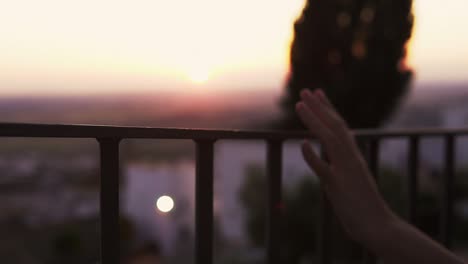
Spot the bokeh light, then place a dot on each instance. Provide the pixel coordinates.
(165, 204)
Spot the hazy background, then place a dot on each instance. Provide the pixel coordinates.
(167, 63)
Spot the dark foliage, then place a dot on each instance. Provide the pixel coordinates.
(355, 50)
(299, 216)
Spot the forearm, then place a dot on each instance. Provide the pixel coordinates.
(399, 242)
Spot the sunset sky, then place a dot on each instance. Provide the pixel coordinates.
(102, 46)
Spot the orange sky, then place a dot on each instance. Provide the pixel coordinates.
(98, 46)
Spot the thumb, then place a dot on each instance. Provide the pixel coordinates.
(319, 166)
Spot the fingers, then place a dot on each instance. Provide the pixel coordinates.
(328, 105)
(323, 98)
(313, 160)
(316, 127)
(324, 110)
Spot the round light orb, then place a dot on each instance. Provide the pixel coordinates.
(165, 204)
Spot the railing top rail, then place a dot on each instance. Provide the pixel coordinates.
(104, 131)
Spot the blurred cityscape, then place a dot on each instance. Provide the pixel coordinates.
(50, 187)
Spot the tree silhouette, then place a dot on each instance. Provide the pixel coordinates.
(355, 51)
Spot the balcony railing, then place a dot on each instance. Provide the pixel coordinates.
(109, 137)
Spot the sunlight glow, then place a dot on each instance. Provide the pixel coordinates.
(438, 50)
(199, 76)
(165, 204)
(125, 45)
(89, 46)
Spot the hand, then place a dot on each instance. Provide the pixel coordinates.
(353, 194)
(347, 181)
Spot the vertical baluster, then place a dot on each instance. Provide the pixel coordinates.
(413, 189)
(325, 227)
(372, 157)
(374, 150)
(204, 202)
(109, 200)
(446, 220)
(274, 216)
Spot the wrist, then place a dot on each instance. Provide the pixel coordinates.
(378, 231)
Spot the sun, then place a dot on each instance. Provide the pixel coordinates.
(199, 75)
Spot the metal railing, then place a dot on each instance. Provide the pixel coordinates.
(109, 137)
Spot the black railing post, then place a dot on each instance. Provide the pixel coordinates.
(413, 183)
(109, 200)
(325, 231)
(204, 202)
(374, 155)
(275, 206)
(371, 154)
(446, 220)
(324, 245)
